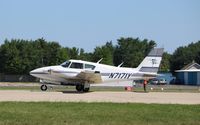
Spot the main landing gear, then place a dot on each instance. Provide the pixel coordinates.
(82, 88)
(79, 87)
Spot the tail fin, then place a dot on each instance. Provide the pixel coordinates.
(151, 63)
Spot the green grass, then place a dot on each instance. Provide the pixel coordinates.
(52, 113)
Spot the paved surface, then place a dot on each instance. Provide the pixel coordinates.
(18, 84)
(119, 97)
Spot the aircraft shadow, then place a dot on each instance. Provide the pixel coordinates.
(73, 92)
(140, 92)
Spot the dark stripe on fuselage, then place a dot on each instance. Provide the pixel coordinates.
(149, 69)
(39, 73)
(105, 74)
(64, 72)
(53, 72)
(154, 56)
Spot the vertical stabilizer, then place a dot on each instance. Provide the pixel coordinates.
(151, 63)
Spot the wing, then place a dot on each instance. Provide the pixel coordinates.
(91, 77)
(84, 76)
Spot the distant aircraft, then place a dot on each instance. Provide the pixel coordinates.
(83, 73)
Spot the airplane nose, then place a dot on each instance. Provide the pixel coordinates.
(33, 71)
(40, 71)
(36, 72)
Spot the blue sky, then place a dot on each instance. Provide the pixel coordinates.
(90, 23)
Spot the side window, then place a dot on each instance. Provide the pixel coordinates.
(88, 66)
(76, 65)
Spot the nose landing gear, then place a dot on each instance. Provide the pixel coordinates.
(43, 87)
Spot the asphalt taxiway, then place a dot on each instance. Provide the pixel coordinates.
(116, 97)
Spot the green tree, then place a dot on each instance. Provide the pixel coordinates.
(21, 56)
(62, 55)
(132, 51)
(185, 55)
(10, 59)
(73, 52)
(165, 63)
(105, 52)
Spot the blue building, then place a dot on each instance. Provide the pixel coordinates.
(189, 75)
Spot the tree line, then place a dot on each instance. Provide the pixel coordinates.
(185, 55)
(19, 56)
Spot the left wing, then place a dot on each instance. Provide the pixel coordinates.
(89, 76)
(84, 76)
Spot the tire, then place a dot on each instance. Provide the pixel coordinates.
(79, 88)
(43, 87)
(86, 89)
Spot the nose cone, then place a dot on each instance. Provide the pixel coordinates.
(37, 72)
(44, 72)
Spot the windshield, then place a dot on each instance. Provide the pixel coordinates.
(66, 64)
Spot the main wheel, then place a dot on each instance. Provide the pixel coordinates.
(86, 89)
(79, 88)
(43, 87)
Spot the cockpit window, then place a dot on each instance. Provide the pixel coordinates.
(66, 64)
(88, 66)
(76, 65)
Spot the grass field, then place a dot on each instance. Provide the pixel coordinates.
(49, 113)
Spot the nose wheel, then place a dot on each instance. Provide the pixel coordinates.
(43, 87)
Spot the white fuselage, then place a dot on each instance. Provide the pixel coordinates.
(59, 74)
(83, 73)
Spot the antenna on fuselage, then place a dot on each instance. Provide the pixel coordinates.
(120, 64)
(100, 60)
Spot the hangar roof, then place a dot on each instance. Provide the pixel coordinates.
(192, 67)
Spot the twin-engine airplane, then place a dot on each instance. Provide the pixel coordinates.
(82, 73)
